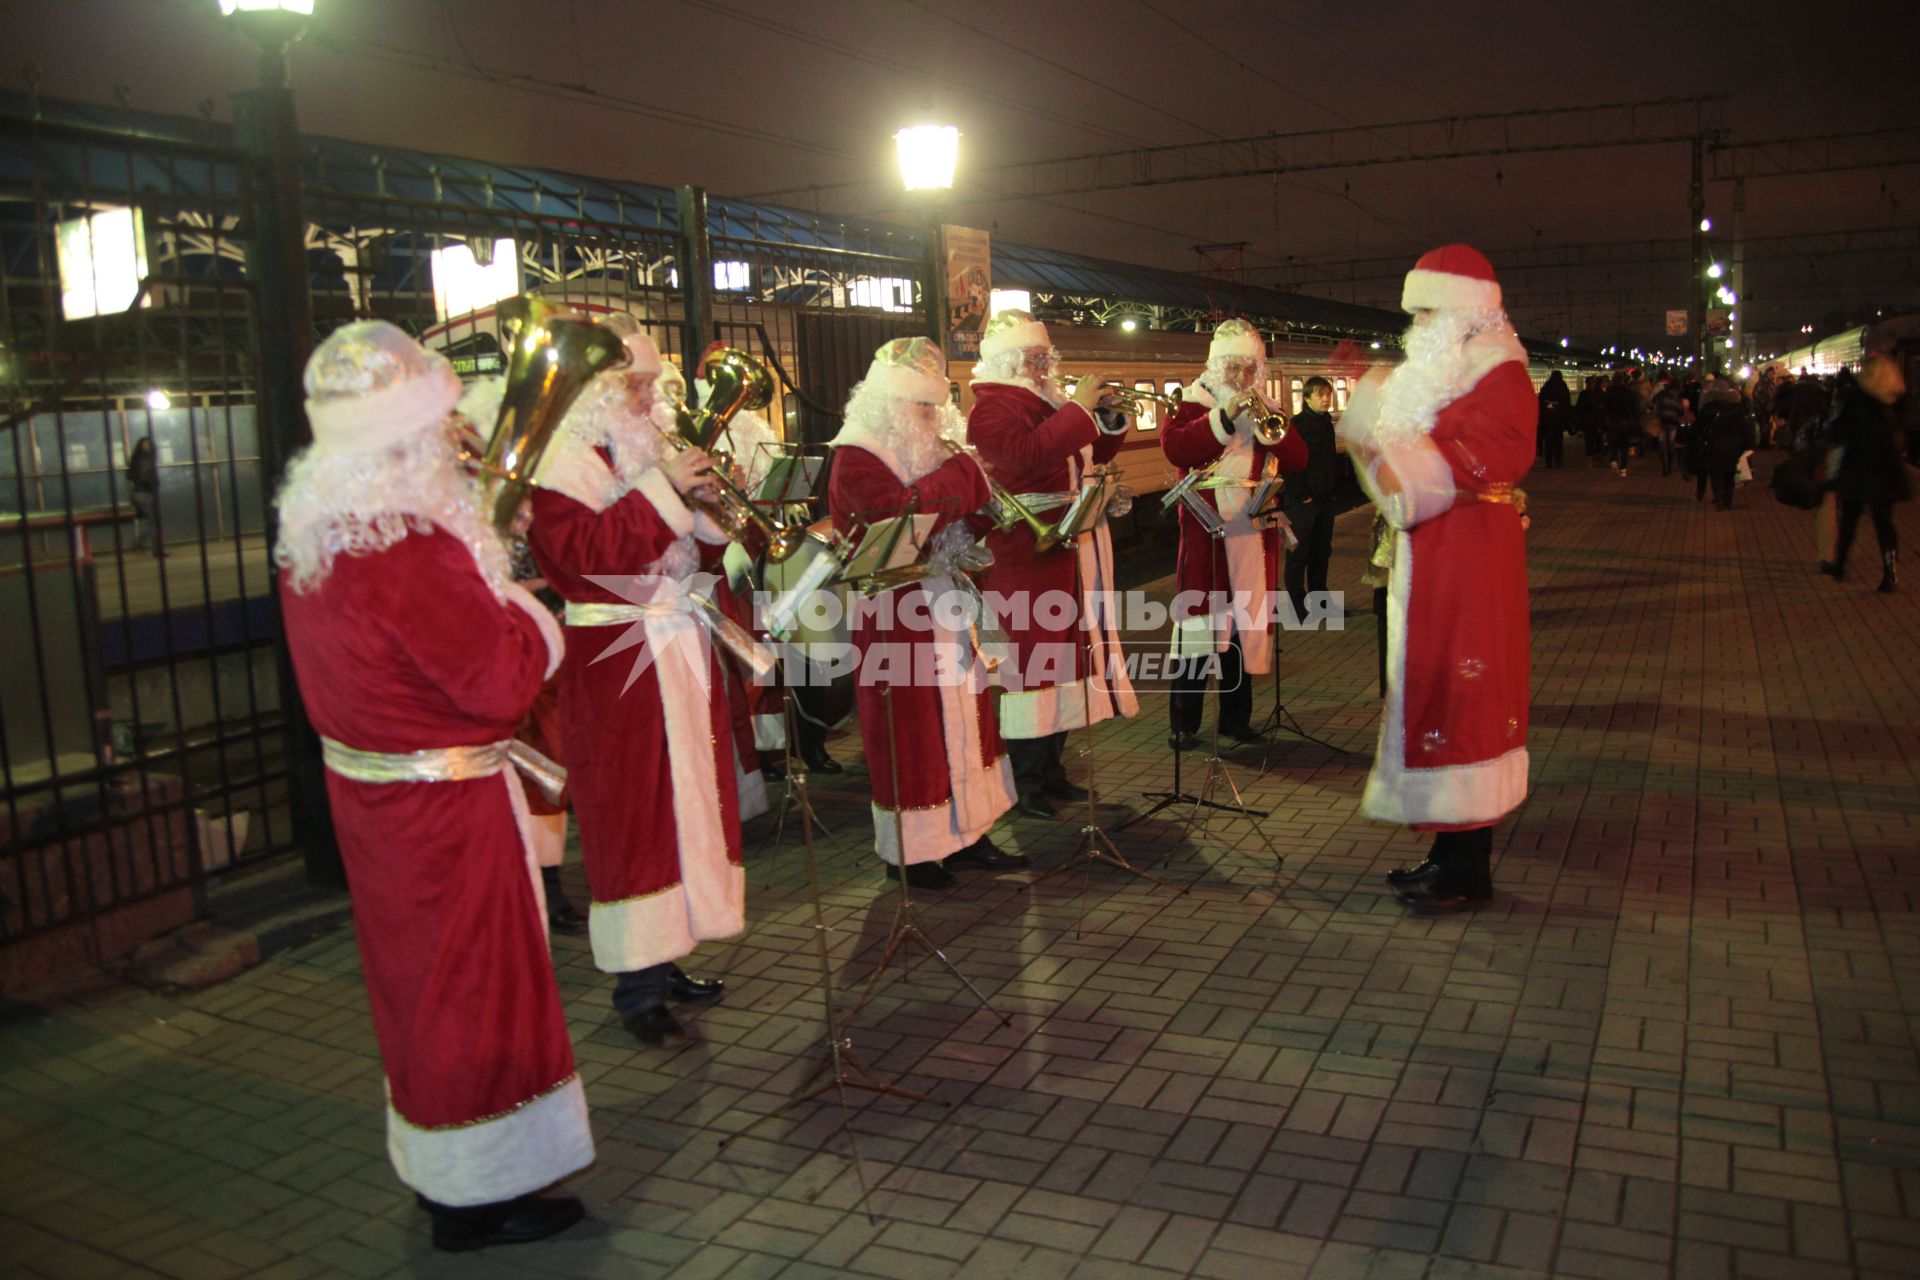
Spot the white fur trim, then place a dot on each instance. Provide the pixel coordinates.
(1030, 334)
(549, 832)
(1075, 704)
(750, 785)
(521, 598)
(1221, 425)
(575, 468)
(903, 383)
(1225, 345)
(528, 1148)
(1440, 291)
(666, 500)
(643, 355)
(1410, 483)
(353, 425)
(770, 731)
(1481, 792)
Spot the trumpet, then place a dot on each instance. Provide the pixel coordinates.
(737, 381)
(1121, 403)
(1006, 509)
(1269, 424)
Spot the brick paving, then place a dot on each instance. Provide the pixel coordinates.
(1681, 1043)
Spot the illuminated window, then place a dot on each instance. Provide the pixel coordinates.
(1299, 394)
(881, 293)
(1149, 419)
(1340, 393)
(1009, 299)
(733, 276)
(103, 259)
(461, 284)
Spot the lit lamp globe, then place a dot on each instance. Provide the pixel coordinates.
(274, 25)
(928, 154)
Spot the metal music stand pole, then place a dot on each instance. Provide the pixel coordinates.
(1281, 720)
(906, 917)
(1095, 845)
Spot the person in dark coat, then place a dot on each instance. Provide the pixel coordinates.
(1623, 420)
(1872, 474)
(143, 478)
(1556, 414)
(1307, 501)
(1590, 417)
(1671, 409)
(1726, 432)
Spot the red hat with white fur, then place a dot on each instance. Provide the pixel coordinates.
(1454, 276)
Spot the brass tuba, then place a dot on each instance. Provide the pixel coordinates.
(552, 353)
(735, 382)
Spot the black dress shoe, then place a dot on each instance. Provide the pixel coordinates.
(1063, 788)
(1430, 889)
(561, 914)
(1035, 805)
(654, 1027)
(924, 875)
(688, 989)
(988, 856)
(1406, 875)
(818, 761)
(1242, 733)
(1184, 741)
(522, 1221)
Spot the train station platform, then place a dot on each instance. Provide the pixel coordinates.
(1680, 1043)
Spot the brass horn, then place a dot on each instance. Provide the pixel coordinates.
(735, 382)
(1006, 509)
(552, 353)
(1130, 401)
(1269, 423)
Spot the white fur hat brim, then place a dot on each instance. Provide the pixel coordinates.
(1019, 336)
(1227, 345)
(381, 419)
(1442, 291)
(903, 383)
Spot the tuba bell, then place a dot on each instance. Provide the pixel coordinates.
(552, 353)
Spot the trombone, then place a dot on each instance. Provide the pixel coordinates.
(1005, 509)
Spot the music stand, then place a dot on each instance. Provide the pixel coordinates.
(1280, 719)
(1095, 845)
(886, 553)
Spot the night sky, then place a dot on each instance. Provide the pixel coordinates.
(760, 96)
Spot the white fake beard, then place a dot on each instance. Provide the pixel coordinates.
(356, 505)
(912, 436)
(1010, 367)
(1429, 379)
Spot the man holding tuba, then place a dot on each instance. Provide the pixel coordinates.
(934, 752)
(1225, 581)
(1066, 670)
(417, 658)
(644, 713)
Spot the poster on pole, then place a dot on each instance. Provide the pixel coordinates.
(1719, 321)
(1676, 324)
(969, 264)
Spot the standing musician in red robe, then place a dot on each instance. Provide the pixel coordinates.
(889, 459)
(1439, 443)
(643, 704)
(1066, 670)
(1226, 585)
(417, 657)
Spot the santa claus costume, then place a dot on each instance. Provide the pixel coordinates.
(644, 713)
(1225, 583)
(1066, 670)
(940, 774)
(417, 657)
(1439, 443)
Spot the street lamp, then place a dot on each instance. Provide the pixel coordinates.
(928, 154)
(1714, 271)
(274, 25)
(1706, 224)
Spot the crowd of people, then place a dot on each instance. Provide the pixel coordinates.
(1849, 439)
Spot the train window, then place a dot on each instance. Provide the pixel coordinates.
(1149, 411)
(1299, 394)
(1340, 393)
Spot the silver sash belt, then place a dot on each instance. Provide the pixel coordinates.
(445, 764)
(728, 634)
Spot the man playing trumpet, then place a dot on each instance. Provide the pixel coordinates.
(648, 730)
(932, 804)
(1225, 581)
(1066, 670)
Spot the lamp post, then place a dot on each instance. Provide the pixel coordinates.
(264, 126)
(928, 154)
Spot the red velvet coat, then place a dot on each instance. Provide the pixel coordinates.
(1453, 740)
(659, 819)
(1194, 436)
(954, 779)
(404, 650)
(1028, 446)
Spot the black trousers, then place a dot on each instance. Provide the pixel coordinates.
(1190, 691)
(1723, 486)
(1464, 856)
(1850, 521)
(1307, 563)
(1553, 450)
(1036, 761)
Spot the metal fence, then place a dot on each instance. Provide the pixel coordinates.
(138, 702)
(142, 698)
